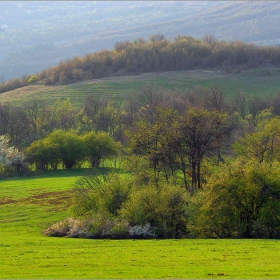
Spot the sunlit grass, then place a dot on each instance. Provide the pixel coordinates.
(260, 81)
(29, 205)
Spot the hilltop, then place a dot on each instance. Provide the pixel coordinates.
(156, 55)
(37, 35)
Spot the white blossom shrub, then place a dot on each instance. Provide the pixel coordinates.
(70, 227)
(60, 228)
(142, 231)
(11, 160)
(5, 151)
(90, 228)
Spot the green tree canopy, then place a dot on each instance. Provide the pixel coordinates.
(100, 145)
(240, 200)
(262, 145)
(66, 147)
(173, 142)
(70, 146)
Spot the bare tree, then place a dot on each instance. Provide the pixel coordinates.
(157, 37)
(213, 99)
(34, 111)
(209, 39)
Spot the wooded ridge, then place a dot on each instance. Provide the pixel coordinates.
(156, 55)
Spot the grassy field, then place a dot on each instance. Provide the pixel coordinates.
(29, 205)
(253, 82)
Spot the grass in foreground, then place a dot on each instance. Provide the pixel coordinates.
(29, 205)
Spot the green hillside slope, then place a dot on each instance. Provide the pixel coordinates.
(254, 82)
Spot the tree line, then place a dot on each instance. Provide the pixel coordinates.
(156, 54)
(36, 119)
(238, 197)
(197, 163)
(202, 174)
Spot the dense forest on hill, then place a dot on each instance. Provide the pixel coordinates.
(156, 55)
(38, 34)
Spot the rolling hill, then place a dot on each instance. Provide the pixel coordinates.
(259, 81)
(36, 35)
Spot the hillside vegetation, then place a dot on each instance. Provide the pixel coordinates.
(156, 55)
(254, 82)
(36, 35)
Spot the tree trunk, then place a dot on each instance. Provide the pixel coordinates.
(95, 162)
(194, 176)
(198, 176)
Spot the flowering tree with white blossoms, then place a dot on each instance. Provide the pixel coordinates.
(10, 157)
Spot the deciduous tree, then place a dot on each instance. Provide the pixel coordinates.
(262, 145)
(100, 146)
(202, 132)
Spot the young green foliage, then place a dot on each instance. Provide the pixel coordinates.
(262, 145)
(236, 202)
(100, 145)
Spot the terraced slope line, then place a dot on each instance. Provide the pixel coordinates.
(259, 81)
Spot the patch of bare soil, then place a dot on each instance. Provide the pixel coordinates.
(59, 200)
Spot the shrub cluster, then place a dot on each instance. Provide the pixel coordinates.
(115, 206)
(93, 229)
(240, 200)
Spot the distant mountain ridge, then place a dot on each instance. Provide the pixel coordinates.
(37, 35)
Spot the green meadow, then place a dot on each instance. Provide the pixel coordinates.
(29, 205)
(259, 81)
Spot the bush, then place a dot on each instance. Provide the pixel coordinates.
(70, 227)
(120, 208)
(97, 194)
(98, 227)
(33, 79)
(161, 207)
(240, 201)
(142, 231)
